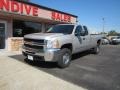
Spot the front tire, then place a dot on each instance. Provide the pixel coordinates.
(64, 58)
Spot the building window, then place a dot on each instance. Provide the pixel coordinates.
(21, 28)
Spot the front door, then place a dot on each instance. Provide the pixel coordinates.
(2, 35)
(79, 41)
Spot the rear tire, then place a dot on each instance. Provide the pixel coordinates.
(96, 50)
(64, 58)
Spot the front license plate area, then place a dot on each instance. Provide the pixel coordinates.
(30, 57)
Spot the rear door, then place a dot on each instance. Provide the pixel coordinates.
(87, 38)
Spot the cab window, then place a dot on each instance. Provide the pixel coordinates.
(86, 30)
(79, 31)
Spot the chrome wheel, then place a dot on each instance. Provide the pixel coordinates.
(98, 49)
(66, 58)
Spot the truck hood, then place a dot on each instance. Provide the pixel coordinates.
(43, 35)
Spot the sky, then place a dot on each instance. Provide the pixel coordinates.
(89, 12)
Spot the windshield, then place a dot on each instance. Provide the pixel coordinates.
(65, 29)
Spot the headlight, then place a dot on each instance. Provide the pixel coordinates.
(52, 44)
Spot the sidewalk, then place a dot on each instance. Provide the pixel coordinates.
(15, 75)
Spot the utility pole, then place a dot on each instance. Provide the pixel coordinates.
(103, 19)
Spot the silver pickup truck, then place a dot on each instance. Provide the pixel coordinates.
(59, 43)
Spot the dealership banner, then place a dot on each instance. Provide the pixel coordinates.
(19, 8)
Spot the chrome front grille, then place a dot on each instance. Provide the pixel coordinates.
(34, 41)
(34, 45)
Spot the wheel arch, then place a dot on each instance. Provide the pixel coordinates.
(98, 41)
(68, 45)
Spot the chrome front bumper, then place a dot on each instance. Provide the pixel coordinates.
(48, 54)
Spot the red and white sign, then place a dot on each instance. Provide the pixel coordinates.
(61, 17)
(11, 6)
(16, 7)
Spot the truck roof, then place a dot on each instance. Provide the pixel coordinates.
(67, 24)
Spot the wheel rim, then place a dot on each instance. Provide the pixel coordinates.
(97, 49)
(66, 58)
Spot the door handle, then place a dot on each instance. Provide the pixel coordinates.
(83, 38)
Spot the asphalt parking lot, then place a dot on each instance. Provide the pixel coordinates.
(94, 72)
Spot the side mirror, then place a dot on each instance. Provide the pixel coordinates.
(77, 34)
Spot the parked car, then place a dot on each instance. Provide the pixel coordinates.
(115, 40)
(105, 41)
(59, 43)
